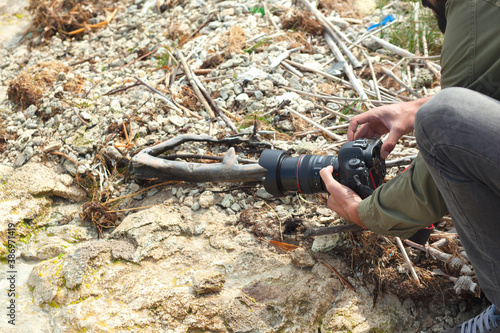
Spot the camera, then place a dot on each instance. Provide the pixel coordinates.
(358, 166)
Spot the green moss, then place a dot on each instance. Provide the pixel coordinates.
(53, 304)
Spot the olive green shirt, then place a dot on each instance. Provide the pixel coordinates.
(470, 58)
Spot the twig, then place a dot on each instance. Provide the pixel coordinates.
(267, 14)
(318, 130)
(120, 89)
(347, 68)
(214, 106)
(137, 59)
(405, 256)
(81, 61)
(210, 18)
(338, 274)
(193, 84)
(400, 161)
(333, 32)
(374, 77)
(291, 69)
(400, 82)
(338, 114)
(90, 26)
(393, 48)
(335, 98)
(372, 33)
(162, 96)
(326, 131)
(426, 54)
(416, 7)
(65, 156)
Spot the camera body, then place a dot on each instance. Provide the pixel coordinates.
(358, 166)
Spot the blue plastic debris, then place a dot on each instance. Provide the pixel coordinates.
(387, 19)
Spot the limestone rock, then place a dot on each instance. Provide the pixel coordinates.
(301, 258)
(208, 282)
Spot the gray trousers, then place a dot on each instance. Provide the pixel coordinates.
(458, 133)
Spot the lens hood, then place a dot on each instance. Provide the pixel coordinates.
(271, 160)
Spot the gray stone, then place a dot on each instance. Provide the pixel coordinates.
(301, 258)
(114, 153)
(286, 125)
(262, 193)
(206, 199)
(242, 98)
(266, 85)
(325, 243)
(227, 201)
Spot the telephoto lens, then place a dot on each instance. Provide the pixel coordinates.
(358, 166)
(300, 173)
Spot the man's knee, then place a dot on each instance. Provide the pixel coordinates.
(441, 116)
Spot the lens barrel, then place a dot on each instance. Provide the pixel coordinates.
(295, 173)
(358, 165)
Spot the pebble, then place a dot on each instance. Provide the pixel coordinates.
(206, 199)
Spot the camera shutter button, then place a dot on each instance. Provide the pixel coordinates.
(354, 163)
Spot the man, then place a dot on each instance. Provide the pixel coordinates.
(458, 168)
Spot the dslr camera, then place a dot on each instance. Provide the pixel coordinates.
(358, 166)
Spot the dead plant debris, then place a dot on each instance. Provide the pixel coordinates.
(31, 84)
(237, 40)
(343, 7)
(68, 16)
(301, 21)
(188, 98)
(213, 61)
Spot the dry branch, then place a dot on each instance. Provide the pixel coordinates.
(326, 131)
(333, 32)
(147, 165)
(189, 75)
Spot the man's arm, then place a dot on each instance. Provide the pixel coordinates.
(405, 204)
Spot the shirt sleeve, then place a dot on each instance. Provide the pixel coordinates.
(405, 204)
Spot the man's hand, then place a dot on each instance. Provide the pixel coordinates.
(395, 119)
(342, 199)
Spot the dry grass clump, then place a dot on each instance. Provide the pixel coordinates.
(188, 98)
(213, 61)
(301, 21)
(237, 40)
(65, 16)
(29, 86)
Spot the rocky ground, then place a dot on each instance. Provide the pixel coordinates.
(94, 253)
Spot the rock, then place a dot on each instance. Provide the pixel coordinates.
(242, 98)
(305, 147)
(208, 282)
(148, 228)
(227, 201)
(325, 243)
(263, 194)
(114, 153)
(206, 199)
(286, 125)
(115, 106)
(301, 258)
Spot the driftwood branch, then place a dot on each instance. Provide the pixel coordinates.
(147, 165)
(193, 84)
